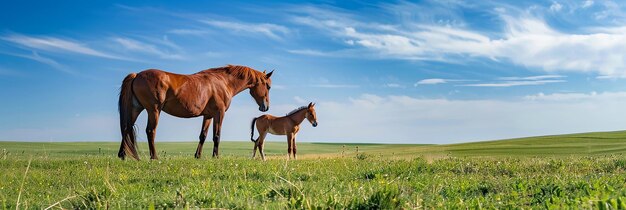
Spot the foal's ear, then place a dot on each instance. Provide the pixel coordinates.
(268, 75)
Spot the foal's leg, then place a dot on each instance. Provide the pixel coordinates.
(217, 129)
(260, 142)
(293, 145)
(254, 150)
(153, 121)
(289, 145)
(205, 129)
(256, 144)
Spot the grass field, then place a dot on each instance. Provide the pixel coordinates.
(579, 170)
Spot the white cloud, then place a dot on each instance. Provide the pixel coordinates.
(267, 29)
(55, 45)
(587, 3)
(555, 7)
(404, 119)
(526, 40)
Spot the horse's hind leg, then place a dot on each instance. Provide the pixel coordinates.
(153, 121)
(205, 129)
(217, 130)
(130, 131)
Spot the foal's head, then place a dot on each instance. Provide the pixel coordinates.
(260, 91)
(310, 114)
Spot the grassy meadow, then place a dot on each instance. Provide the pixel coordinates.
(568, 171)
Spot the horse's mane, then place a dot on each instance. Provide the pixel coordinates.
(296, 110)
(244, 72)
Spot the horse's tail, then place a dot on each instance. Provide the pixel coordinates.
(252, 129)
(125, 107)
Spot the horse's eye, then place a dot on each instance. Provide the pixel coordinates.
(268, 87)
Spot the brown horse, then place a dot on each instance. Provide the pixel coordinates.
(207, 93)
(287, 125)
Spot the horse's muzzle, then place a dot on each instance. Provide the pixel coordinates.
(315, 124)
(264, 108)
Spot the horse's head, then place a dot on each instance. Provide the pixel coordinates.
(310, 114)
(260, 91)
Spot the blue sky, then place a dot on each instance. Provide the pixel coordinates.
(387, 72)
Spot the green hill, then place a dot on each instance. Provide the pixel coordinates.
(597, 143)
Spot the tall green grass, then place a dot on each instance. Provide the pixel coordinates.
(571, 171)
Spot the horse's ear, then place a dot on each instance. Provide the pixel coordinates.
(311, 104)
(263, 71)
(268, 75)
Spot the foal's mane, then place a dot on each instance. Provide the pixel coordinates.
(243, 72)
(296, 110)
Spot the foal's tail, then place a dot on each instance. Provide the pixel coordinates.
(125, 107)
(252, 129)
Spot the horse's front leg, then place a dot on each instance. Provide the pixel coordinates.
(217, 129)
(205, 129)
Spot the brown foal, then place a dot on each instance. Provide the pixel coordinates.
(207, 93)
(286, 125)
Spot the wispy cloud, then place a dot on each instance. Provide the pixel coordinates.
(55, 45)
(587, 3)
(310, 52)
(555, 7)
(9, 72)
(194, 32)
(526, 39)
(533, 78)
(514, 83)
(44, 60)
(576, 96)
(431, 82)
(436, 81)
(138, 46)
(521, 81)
(394, 85)
(269, 30)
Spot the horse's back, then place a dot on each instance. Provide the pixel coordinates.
(177, 94)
